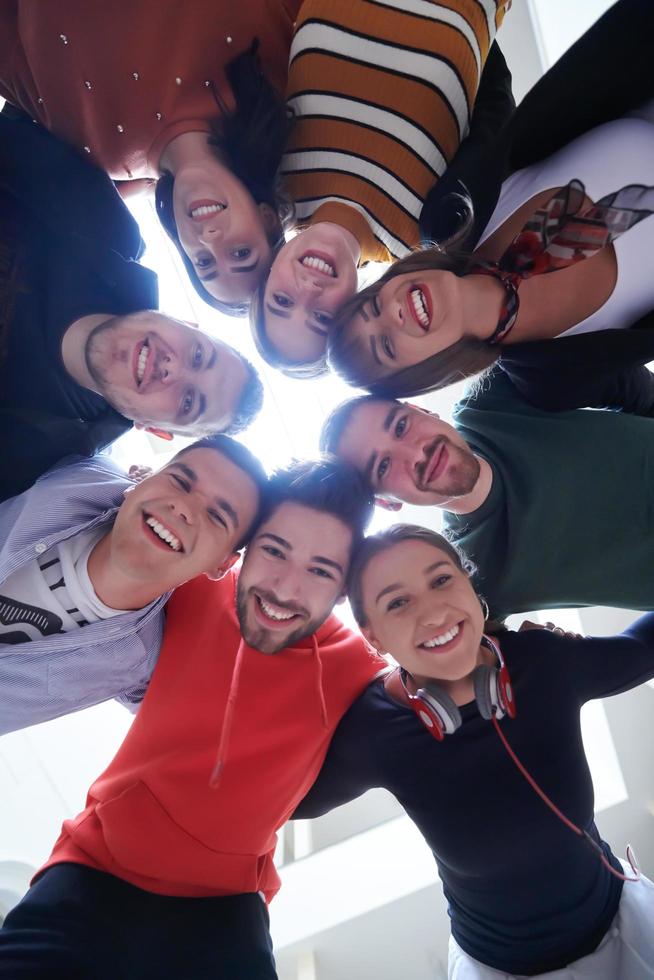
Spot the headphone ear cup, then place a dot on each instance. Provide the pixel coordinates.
(484, 680)
(443, 706)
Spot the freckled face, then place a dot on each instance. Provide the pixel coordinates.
(422, 609)
(293, 573)
(408, 454)
(310, 278)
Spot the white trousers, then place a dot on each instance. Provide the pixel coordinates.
(625, 953)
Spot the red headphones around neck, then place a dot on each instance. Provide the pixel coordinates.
(436, 709)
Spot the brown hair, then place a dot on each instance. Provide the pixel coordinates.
(375, 544)
(464, 359)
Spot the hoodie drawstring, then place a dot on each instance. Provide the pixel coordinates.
(321, 693)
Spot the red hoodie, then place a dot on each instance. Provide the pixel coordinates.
(154, 818)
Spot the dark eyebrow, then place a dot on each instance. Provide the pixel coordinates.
(370, 466)
(229, 510)
(328, 561)
(273, 309)
(244, 268)
(373, 348)
(436, 564)
(212, 358)
(318, 330)
(275, 537)
(187, 471)
(390, 418)
(389, 588)
(212, 275)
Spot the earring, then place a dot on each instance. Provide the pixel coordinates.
(484, 608)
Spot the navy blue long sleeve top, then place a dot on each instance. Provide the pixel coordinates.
(526, 895)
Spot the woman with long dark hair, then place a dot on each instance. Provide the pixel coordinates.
(187, 94)
(435, 318)
(383, 96)
(477, 735)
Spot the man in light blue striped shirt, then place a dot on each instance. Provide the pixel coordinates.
(88, 559)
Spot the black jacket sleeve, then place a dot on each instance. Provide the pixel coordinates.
(604, 75)
(601, 666)
(65, 192)
(602, 369)
(494, 105)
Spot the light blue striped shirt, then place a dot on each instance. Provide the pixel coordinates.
(112, 658)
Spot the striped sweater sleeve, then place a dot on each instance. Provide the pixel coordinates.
(382, 91)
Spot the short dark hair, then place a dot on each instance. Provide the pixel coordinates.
(338, 419)
(240, 456)
(378, 543)
(326, 485)
(299, 370)
(252, 140)
(250, 403)
(463, 359)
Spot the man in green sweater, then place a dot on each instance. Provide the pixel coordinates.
(554, 509)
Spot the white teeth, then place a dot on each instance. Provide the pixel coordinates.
(420, 307)
(274, 613)
(140, 365)
(313, 262)
(207, 209)
(164, 533)
(438, 641)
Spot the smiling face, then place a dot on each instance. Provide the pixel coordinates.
(411, 318)
(293, 573)
(222, 230)
(311, 277)
(408, 454)
(160, 371)
(421, 608)
(184, 520)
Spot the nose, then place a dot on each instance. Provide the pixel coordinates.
(210, 233)
(307, 283)
(182, 508)
(286, 585)
(433, 613)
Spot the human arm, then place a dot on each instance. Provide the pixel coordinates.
(62, 190)
(474, 172)
(604, 369)
(602, 666)
(347, 770)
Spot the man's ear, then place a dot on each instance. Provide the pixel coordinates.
(341, 599)
(221, 570)
(371, 638)
(161, 433)
(387, 504)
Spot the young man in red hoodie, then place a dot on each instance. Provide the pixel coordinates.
(168, 870)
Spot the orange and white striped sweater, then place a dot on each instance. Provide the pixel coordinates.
(383, 91)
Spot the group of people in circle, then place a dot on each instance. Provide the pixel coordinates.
(287, 145)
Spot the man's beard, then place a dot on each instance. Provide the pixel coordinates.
(269, 641)
(462, 472)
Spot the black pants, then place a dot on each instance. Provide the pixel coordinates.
(79, 924)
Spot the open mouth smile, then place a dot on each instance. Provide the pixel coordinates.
(273, 615)
(444, 641)
(419, 303)
(142, 362)
(318, 262)
(161, 536)
(201, 210)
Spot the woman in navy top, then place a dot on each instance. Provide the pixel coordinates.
(527, 894)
